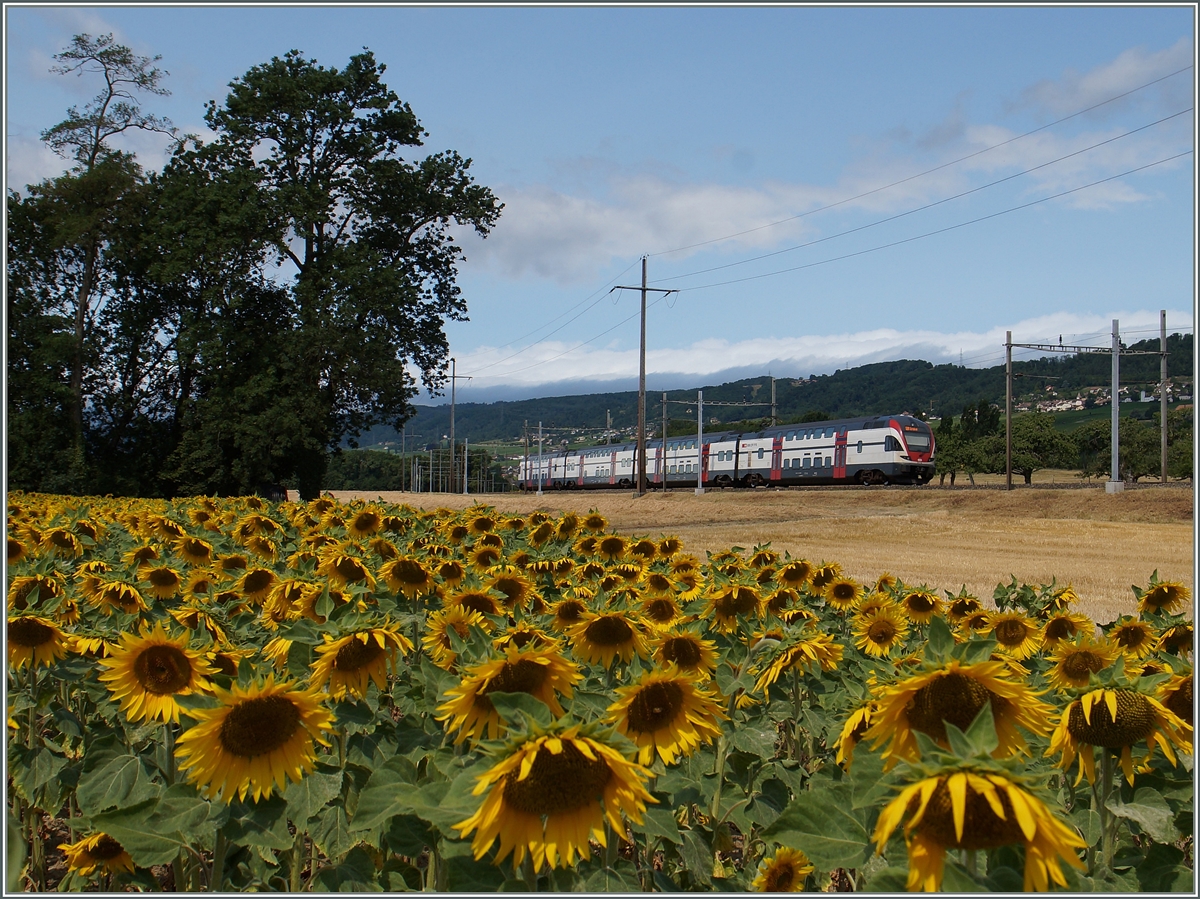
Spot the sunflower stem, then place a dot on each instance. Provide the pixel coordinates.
(297, 862)
(1108, 830)
(611, 845)
(970, 861)
(217, 877)
(529, 874)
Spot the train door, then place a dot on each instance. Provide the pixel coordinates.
(737, 457)
(777, 458)
(839, 455)
(658, 464)
(704, 464)
(579, 480)
(612, 468)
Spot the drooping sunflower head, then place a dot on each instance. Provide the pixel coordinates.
(960, 606)
(824, 574)
(550, 792)
(603, 636)
(644, 549)
(145, 674)
(541, 672)
(1062, 598)
(977, 808)
(668, 712)
(515, 587)
(193, 550)
(483, 601)
(1164, 596)
(843, 593)
(806, 649)
(595, 522)
(886, 582)
(343, 568)
(1177, 639)
(351, 663)
(953, 692)
(567, 526)
(540, 534)
(661, 611)
(669, 546)
(567, 612)
(62, 542)
(256, 583)
(1073, 662)
(438, 625)
(258, 738)
(364, 523)
(33, 591)
(97, 852)
(1116, 718)
(34, 641)
(1065, 626)
(612, 547)
(879, 632)
(763, 557)
(921, 605)
(408, 576)
(784, 872)
(729, 602)
(1176, 696)
(852, 733)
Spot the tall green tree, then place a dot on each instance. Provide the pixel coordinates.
(1036, 445)
(367, 235)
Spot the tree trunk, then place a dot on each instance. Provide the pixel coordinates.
(311, 466)
(82, 301)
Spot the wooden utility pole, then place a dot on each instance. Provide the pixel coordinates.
(641, 435)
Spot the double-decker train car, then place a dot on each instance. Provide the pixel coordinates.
(880, 449)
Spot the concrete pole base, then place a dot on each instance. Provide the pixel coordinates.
(1114, 486)
(699, 491)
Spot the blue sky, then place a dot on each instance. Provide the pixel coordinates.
(613, 132)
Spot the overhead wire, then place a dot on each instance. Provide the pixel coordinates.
(908, 212)
(927, 171)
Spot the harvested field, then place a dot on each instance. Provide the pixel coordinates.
(945, 538)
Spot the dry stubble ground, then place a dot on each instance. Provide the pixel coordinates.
(945, 538)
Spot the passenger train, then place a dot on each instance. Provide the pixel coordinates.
(882, 449)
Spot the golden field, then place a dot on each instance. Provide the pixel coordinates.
(946, 539)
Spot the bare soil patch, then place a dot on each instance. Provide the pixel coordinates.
(945, 538)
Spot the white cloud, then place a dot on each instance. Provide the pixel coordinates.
(554, 362)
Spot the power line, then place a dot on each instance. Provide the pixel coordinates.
(927, 171)
(940, 230)
(900, 215)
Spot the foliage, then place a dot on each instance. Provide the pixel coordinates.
(778, 671)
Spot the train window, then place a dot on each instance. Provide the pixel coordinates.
(807, 461)
(891, 444)
(760, 452)
(860, 446)
(828, 461)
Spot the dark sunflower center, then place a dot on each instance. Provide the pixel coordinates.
(961, 607)
(570, 610)
(660, 609)
(794, 574)
(609, 630)
(683, 652)
(1011, 632)
(982, 827)
(16, 549)
(411, 573)
(612, 546)
(881, 631)
(163, 577)
(350, 569)
(63, 539)
(843, 592)
(1061, 629)
(106, 847)
(1135, 721)
(258, 580)
(523, 676)
(366, 521)
(226, 664)
(1159, 596)
(510, 587)
(655, 706)
(952, 697)
(257, 726)
(194, 547)
(557, 783)
(1131, 637)
(822, 577)
(780, 878)
(28, 632)
(737, 601)
(162, 670)
(919, 602)
(483, 524)
(1081, 665)
(1180, 702)
(356, 654)
(486, 556)
(478, 602)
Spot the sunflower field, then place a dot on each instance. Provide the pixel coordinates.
(231, 694)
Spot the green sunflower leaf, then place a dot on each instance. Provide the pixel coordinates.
(310, 794)
(823, 823)
(355, 874)
(513, 706)
(112, 778)
(1149, 810)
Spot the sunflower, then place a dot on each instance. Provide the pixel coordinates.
(644, 549)
(193, 550)
(408, 576)
(668, 546)
(1164, 596)
(602, 636)
(484, 557)
(343, 569)
(960, 606)
(975, 809)
(517, 590)
(365, 523)
(1073, 662)
(232, 565)
(227, 661)
(726, 603)
(192, 617)
(146, 673)
(852, 732)
(810, 648)
(686, 650)
(661, 611)
(1177, 639)
(885, 582)
(540, 535)
(347, 664)
(276, 651)
(1016, 636)
(612, 547)
(450, 572)
(881, 631)
(1137, 639)
(1063, 598)
(842, 593)
(1065, 626)
(97, 852)
(256, 583)
(257, 738)
(437, 632)
(921, 605)
(876, 601)
(667, 712)
(594, 522)
(524, 634)
(1176, 696)
(17, 550)
(1116, 718)
(481, 601)
(263, 547)
(34, 641)
(692, 583)
(62, 542)
(542, 673)
(976, 623)
(954, 692)
(483, 522)
(824, 574)
(21, 591)
(550, 793)
(784, 872)
(567, 526)
(568, 611)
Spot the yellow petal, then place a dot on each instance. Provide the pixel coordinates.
(1111, 697)
(957, 786)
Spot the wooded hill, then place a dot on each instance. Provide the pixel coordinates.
(907, 385)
